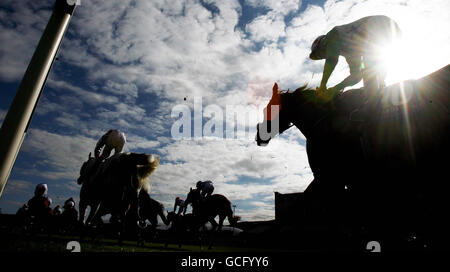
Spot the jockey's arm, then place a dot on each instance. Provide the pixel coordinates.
(99, 146)
(331, 47)
(354, 77)
(330, 64)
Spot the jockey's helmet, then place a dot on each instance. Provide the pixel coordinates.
(199, 183)
(70, 200)
(315, 47)
(178, 198)
(69, 204)
(41, 189)
(58, 210)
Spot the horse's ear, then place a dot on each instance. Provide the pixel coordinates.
(90, 155)
(275, 89)
(190, 189)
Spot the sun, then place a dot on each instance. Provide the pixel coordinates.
(401, 61)
(407, 57)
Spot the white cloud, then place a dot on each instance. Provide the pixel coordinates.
(20, 31)
(258, 211)
(135, 142)
(19, 186)
(88, 97)
(281, 6)
(267, 28)
(61, 155)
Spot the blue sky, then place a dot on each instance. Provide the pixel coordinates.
(127, 64)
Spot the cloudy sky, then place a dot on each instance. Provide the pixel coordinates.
(138, 65)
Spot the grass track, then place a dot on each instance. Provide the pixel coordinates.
(14, 242)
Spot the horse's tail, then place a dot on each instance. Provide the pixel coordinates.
(164, 218)
(232, 219)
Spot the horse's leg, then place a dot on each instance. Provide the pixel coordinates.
(121, 226)
(95, 218)
(92, 213)
(213, 223)
(154, 221)
(133, 208)
(221, 219)
(82, 206)
(163, 218)
(216, 227)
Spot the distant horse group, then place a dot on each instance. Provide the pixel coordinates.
(119, 186)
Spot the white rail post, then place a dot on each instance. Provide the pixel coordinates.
(18, 118)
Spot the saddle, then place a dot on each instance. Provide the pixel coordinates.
(387, 101)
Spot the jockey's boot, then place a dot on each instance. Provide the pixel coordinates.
(367, 114)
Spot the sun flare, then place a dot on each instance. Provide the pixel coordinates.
(407, 58)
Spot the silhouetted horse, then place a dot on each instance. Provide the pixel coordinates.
(112, 186)
(182, 227)
(393, 163)
(150, 209)
(182, 223)
(207, 209)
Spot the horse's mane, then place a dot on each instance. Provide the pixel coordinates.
(144, 172)
(300, 97)
(307, 94)
(304, 89)
(89, 163)
(348, 99)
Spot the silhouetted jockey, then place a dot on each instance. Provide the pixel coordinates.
(206, 188)
(359, 43)
(39, 205)
(57, 210)
(23, 211)
(70, 213)
(22, 214)
(113, 139)
(181, 206)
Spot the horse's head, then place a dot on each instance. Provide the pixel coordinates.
(192, 197)
(284, 110)
(276, 119)
(87, 169)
